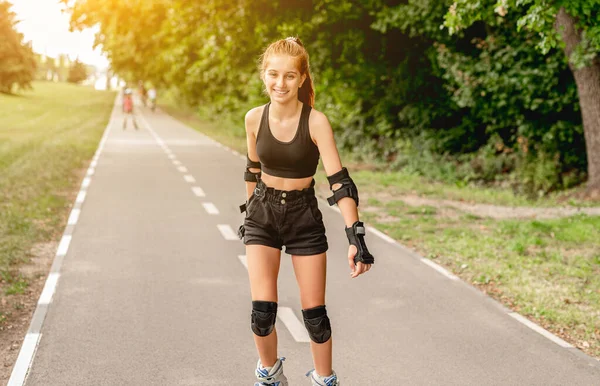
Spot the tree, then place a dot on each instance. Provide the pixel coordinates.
(572, 24)
(77, 72)
(17, 61)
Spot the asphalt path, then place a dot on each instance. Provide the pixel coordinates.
(151, 289)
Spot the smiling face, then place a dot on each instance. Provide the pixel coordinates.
(282, 78)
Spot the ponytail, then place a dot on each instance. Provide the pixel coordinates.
(306, 94)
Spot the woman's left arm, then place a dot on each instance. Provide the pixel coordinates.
(322, 134)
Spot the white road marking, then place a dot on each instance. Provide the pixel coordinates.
(198, 191)
(182, 169)
(227, 232)
(540, 330)
(17, 377)
(32, 339)
(80, 197)
(439, 268)
(176, 162)
(382, 235)
(210, 208)
(86, 182)
(63, 247)
(49, 288)
(189, 178)
(73, 217)
(243, 260)
(292, 323)
(172, 156)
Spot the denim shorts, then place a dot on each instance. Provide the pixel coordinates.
(285, 217)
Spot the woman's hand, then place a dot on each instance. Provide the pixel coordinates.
(359, 268)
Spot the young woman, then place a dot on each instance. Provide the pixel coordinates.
(285, 139)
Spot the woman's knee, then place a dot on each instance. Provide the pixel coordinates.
(317, 324)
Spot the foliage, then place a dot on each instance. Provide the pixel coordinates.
(481, 104)
(537, 16)
(77, 72)
(17, 63)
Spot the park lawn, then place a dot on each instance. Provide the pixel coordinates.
(47, 137)
(547, 270)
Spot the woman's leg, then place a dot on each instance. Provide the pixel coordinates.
(263, 269)
(311, 274)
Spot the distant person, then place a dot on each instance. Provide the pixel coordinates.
(152, 98)
(142, 92)
(128, 108)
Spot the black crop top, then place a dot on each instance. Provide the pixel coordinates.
(295, 159)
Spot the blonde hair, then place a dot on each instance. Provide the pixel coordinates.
(293, 47)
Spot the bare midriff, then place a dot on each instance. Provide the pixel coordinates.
(281, 183)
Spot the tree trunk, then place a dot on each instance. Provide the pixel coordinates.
(588, 88)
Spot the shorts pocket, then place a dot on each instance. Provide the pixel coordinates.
(315, 212)
(253, 203)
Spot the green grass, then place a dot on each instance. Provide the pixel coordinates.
(400, 182)
(548, 270)
(46, 136)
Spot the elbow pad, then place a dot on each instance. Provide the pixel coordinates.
(250, 176)
(348, 188)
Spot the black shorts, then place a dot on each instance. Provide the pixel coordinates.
(292, 218)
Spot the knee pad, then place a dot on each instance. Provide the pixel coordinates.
(263, 316)
(317, 324)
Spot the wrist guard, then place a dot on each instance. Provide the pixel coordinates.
(356, 236)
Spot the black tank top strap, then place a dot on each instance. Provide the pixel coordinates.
(264, 122)
(304, 116)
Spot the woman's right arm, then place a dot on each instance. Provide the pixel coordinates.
(251, 122)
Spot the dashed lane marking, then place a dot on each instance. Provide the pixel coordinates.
(210, 208)
(227, 232)
(243, 260)
(292, 323)
(198, 191)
